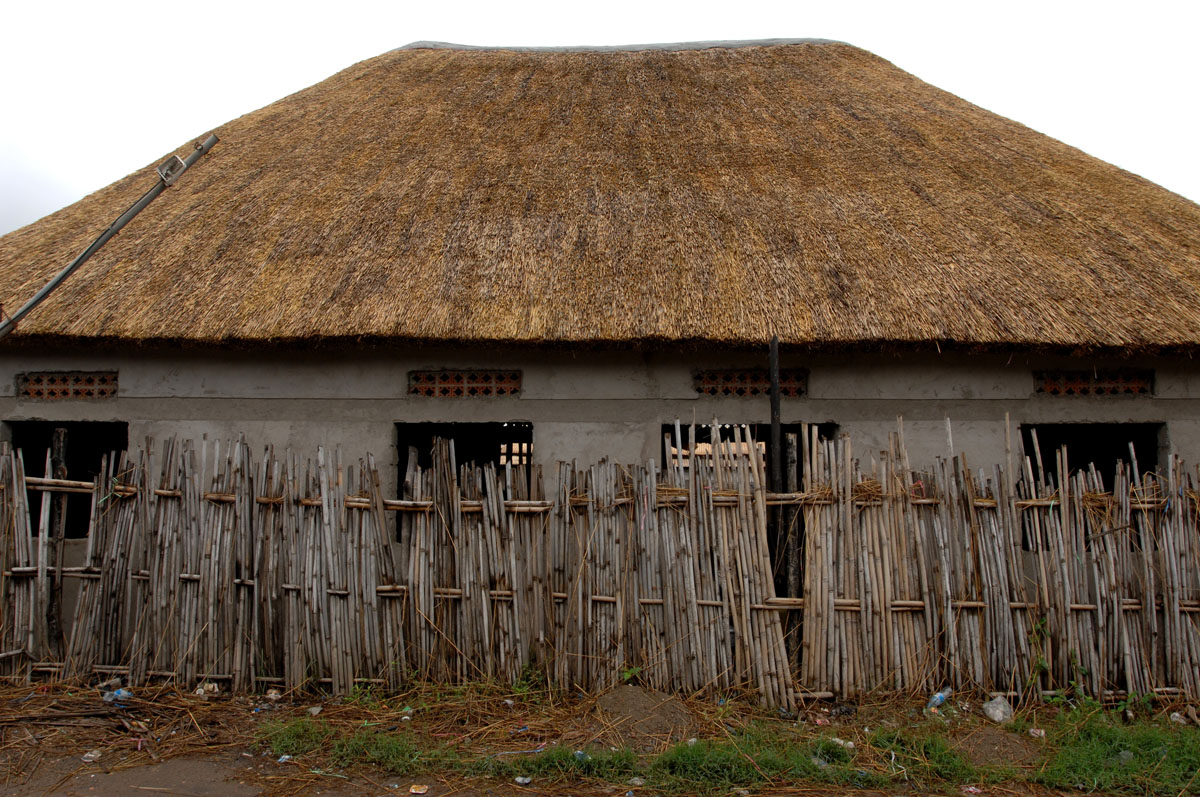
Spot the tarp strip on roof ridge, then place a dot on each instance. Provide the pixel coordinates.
(704, 45)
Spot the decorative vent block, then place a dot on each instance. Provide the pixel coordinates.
(59, 385)
(1123, 382)
(464, 384)
(793, 382)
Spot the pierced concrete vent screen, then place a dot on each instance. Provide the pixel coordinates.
(59, 385)
(793, 382)
(1123, 382)
(464, 384)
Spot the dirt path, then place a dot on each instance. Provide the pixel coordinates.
(57, 740)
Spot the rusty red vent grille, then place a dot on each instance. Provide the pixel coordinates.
(793, 382)
(59, 385)
(464, 384)
(1125, 382)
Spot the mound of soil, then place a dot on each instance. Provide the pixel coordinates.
(643, 718)
(988, 744)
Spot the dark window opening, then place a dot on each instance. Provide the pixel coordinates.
(507, 443)
(88, 442)
(1101, 444)
(760, 434)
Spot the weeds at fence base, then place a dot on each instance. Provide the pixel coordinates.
(477, 736)
(741, 747)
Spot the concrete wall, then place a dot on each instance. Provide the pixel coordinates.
(585, 405)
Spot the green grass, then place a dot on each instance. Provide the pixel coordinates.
(757, 756)
(294, 737)
(1087, 748)
(397, 754)
(556, 763)
(922, 755)
(1094, 751)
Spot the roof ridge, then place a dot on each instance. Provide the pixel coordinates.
(587, 48)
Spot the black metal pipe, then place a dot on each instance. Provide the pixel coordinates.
(776, 463)
(9, 324)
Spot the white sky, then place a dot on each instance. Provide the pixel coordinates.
(92, 91)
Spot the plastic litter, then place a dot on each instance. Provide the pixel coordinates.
(819, 763)
(692, 741)
(522, 780)
(636, 782)
(998, 710)
(274, 695)
(1037, 733)
(972, 790)
(842, 743)
(582, 756)
(508, 701)
(821, 721)
(206, 690)
(938, 698)
(418, 788)
(135, 726)
(314, 711)
(1178, 718)
(92, 756)
(283, 759)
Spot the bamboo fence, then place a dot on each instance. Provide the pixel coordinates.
(204, 563)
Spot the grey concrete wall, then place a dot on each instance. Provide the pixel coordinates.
(585, 405)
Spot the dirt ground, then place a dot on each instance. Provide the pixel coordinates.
(167, 742)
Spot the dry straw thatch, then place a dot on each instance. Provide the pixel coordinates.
(725, 194)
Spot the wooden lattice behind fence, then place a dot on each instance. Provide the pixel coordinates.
(205, 563)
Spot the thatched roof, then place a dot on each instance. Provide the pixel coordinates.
(720, 194)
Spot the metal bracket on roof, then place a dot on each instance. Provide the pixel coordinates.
(170, 169)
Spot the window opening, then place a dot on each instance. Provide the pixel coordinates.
(506, 443)
(760, 434)
(1101, 444)
(88, 442)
